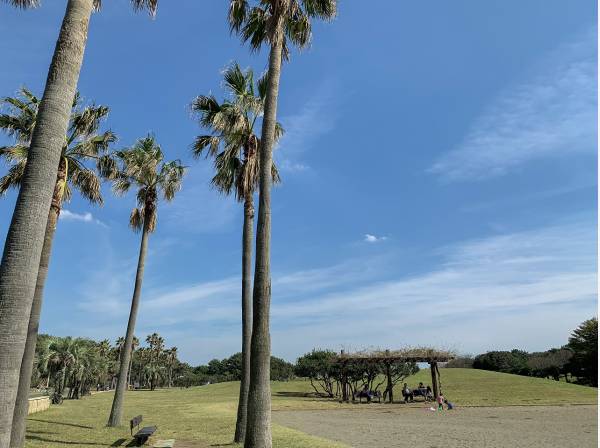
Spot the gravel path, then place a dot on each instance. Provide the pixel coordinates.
(480, 427)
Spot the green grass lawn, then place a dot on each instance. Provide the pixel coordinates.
(207, 414)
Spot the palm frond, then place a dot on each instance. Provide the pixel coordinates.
(226, 168)
(150, 5)
(136, 219)
(279, 131)
(254, 29)
(86, 122)
(238, 10)
(107, 167)
(206, 107)
(262, 85)
(202, 142)
(13, 178)
(121, 184)
(23, 4)
(88, 184)
(298, 29)
(15, 153)
(170, 178)
(322, 9)
(93, 146)
(235, 79)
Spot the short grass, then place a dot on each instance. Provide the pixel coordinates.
(207, 414)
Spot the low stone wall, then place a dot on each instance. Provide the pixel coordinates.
(38, 404)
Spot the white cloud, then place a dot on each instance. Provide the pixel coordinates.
(68, 215)
(553, 114)
(303, 129)
(374, 239)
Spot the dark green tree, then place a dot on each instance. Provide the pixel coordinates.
(584, 344)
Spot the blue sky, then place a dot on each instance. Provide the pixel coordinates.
(439, 177)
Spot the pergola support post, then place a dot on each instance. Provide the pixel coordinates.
(434, 379)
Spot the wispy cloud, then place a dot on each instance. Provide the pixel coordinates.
(552, 114)
(303, 129)
(374, 239)
(199, 208)
(67, 215)
(524, 289)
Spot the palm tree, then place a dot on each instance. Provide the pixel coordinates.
(234, 145)
(61, 358)
(171, 363)
(82, 144)
(142, 166)
(25, 236)
(134, 344)
(271, 22)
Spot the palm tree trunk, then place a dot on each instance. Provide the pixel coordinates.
(258, 427)
(17, 438)
(25, 238)
(247, 237)
(116, 412)
(129, 368)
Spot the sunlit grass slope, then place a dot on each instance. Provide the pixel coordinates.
(207, 414)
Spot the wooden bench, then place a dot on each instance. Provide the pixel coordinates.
(143, 434)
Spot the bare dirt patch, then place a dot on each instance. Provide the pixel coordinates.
(386, 426)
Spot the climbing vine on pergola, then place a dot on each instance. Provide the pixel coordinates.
(390, 363)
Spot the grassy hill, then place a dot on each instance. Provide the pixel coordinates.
(207, 413)
(484, 388)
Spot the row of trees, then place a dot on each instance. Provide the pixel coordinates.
(74, 366)
(576, 361)
(228, 369)
(44, 173)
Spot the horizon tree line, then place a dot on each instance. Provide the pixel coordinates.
(277, 24)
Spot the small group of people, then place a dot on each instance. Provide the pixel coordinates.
(425, 392)
(420, 391)
(441, 401)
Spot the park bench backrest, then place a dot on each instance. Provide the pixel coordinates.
(135, 421)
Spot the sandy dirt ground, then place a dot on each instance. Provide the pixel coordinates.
(482, 427)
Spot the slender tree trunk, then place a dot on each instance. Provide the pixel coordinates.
(247, 237)
(116, 412)
(129, 369)
(25, 238)
(434, 380)
(258, 427)
(17, 438)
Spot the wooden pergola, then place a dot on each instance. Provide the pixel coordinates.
(417, 355)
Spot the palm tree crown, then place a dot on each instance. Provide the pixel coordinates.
(83, 145)
(269, 20)
(233, 141)
(143, 166)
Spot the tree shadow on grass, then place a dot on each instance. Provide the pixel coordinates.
(61, 423)
(297, 394)
(29, 431)
(62, 442)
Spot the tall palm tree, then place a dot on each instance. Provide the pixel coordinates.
(82, 145)
(25, 236)
(134, 344)
(143, 166)
(271, 22)
(171, 363)
(234, 145)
